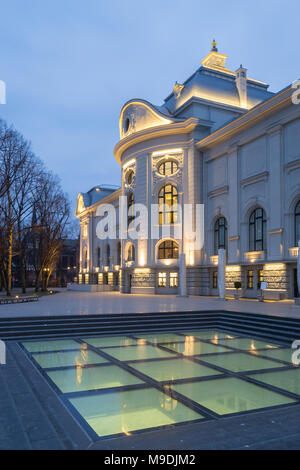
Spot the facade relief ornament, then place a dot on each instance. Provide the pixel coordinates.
(177, 177)
(177, 90)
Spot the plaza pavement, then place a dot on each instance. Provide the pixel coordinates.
(98, 303)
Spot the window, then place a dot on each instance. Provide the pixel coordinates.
(297, 223)
(220, 234)
(257, 230)
(131, 253)
(129, 177)
(215, 279)
(107, 255)
(130, 208)
(250, 279)
(173, 279)
(168, 250)
(168, 168)
(162, 279)
(167, 201)
(119, 254)
(261, 275)
(98, 261)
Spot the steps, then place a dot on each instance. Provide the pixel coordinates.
(284, 330)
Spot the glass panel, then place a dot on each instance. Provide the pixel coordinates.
(282, 354)
(79, 378)
(123, 412)
(174, 369)
(68, 358)
(287, 380)
(239, 362)
(191, 347)
(137, 353)
(58, 345)
(224, 396)
(248, 344)
(162, 337)
(110, 341)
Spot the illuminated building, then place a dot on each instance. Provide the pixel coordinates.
(220, 139)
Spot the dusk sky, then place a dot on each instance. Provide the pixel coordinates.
(70, 65)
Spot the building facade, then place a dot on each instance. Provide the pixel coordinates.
(220, 139)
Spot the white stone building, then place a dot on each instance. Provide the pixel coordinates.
(220, 139)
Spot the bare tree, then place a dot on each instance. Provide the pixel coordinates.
(52, 216)
(17, 176)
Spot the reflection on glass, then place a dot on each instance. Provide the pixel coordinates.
(80, 360)
(189, 346)
(215, 339)
(92, 378)
(230, 395)
(119, 411)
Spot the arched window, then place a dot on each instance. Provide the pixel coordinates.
(130, 208)
(119, 254)
(257, 230)
(168, 168)
(107, 255)
(98, 256)
(220, 234)
(297, 223)
(167, 201)
(168, 250)
(131, 253)
(129, 176)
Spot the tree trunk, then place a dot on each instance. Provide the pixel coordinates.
(23, 275)
(9, 261)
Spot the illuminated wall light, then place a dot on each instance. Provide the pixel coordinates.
(233, 268)
(274, 267)
(142, 260)
(142, 270)
(191, 258)
(167, 152)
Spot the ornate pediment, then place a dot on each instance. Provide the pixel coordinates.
(139, 115)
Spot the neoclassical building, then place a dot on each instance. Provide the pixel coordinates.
(220, 139)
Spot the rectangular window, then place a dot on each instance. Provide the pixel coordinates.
(162, 279)
(250, 279)
(261, 275)
(173, 279)
(215, 279)
(100, 278)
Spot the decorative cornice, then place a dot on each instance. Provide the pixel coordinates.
(218, 191)
(249, 118)
(255, 178)
(184, 127)
(275, 231)
(294, 165)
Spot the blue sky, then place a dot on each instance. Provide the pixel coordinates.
(70, 65)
